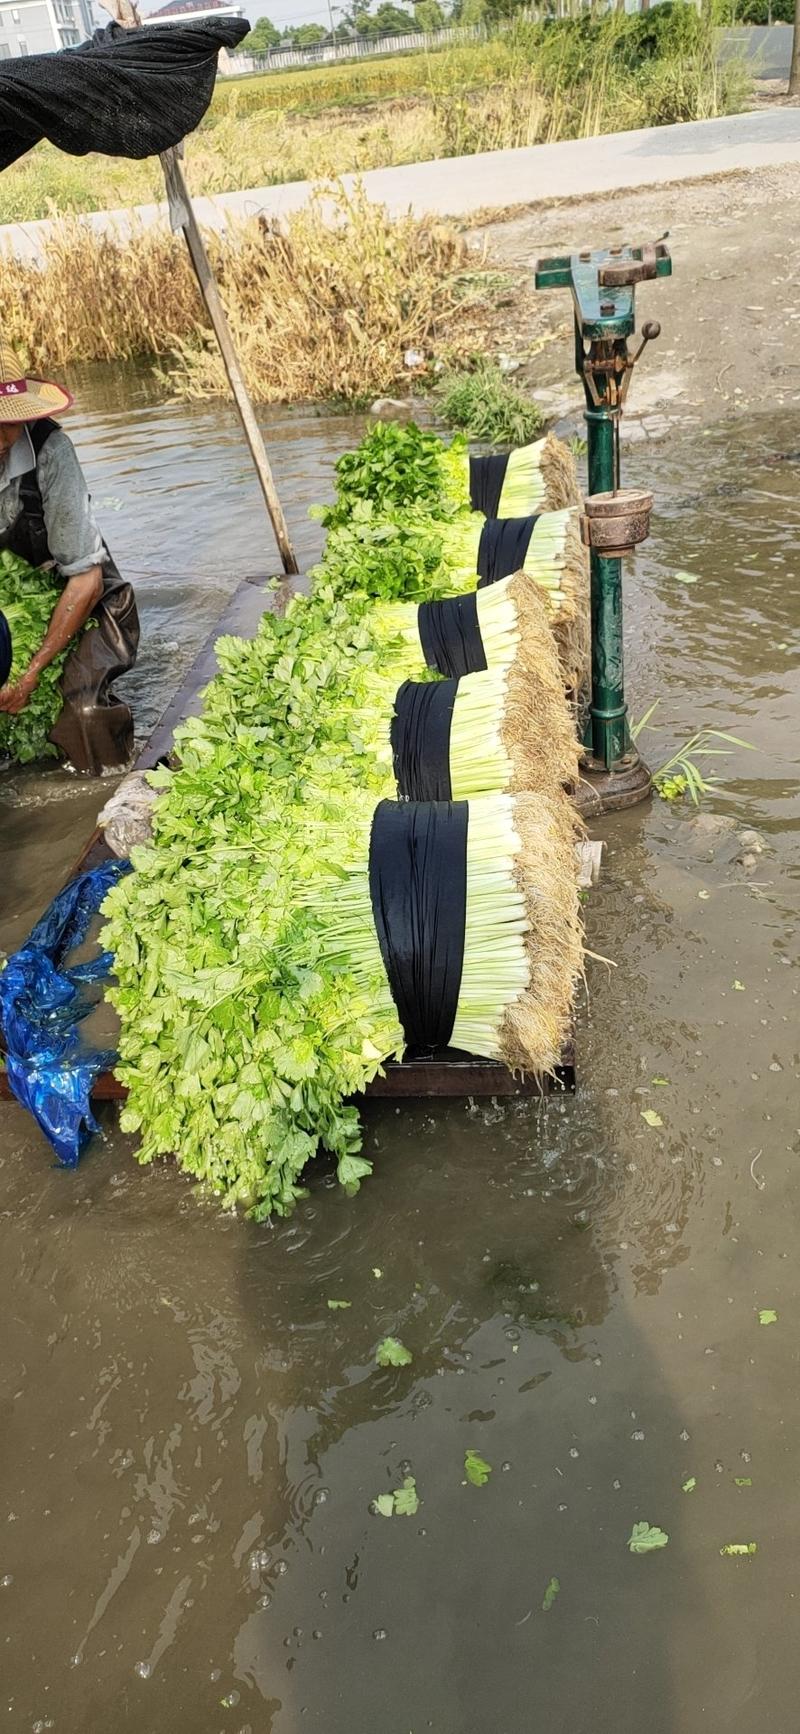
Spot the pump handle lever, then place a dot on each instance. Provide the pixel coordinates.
(650, 331)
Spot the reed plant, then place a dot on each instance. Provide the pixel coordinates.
(320, 309)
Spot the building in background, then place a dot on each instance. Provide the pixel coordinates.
(43, 26)
(192, 11)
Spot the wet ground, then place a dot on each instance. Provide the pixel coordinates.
(192, 1438)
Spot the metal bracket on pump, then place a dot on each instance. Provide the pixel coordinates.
(603, 284)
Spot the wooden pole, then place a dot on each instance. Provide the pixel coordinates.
(182, 216)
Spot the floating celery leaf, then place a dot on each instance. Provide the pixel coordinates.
(476, 1469)
(392, 1353)
(403, 1502)
(646, 1537)
(406, 1502)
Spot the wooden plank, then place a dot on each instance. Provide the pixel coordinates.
(441, 1075)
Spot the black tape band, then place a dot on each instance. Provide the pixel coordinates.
(502, 548)
(418, 888)
(6, 653)
(450, 635)
(420, 734)
(486, 478)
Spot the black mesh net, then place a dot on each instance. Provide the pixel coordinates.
(127, 93)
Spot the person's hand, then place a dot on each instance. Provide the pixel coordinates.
(15, 696)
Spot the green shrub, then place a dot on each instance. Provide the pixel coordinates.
(485, 406)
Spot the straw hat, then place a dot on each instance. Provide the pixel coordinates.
(24, 399)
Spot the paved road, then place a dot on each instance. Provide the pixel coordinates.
(496, 180)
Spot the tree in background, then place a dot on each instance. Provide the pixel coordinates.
(387, 20)
(469, 12)
(308, 35)
(261, 39)
(794, 75)
(428, 15)
(390, 20)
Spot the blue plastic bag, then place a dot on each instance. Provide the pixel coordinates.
(50, 1069)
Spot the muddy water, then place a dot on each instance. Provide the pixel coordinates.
(191, 1438)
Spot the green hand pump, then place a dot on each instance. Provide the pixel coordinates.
(603, 285)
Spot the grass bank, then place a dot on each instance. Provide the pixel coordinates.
(573, 78)
(319, 311)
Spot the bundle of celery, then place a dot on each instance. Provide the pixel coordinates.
(520, 925)
(27, 599)
(454, 635)
(535, 478)
(401, 465)
(253, 983)
(319, 686)
(416, 558)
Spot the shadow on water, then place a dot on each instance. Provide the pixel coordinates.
(192, 1438)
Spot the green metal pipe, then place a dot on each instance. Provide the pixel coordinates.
(610, 740)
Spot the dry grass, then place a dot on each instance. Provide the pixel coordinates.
(95, 298)
(538, 1023)
(318, 310)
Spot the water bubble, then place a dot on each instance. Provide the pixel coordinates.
(260, 1559)
(316, 1632)
(297, 1631)
(379, 1634)
(265, 1601)
(216, 1674)
(154, 1536)
(321, 1496)
(230, 1701)
(6, 1580)
(505, 1467)
(281, 1568)
(574, 1453)
(638, 1434)
(144, 1670)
